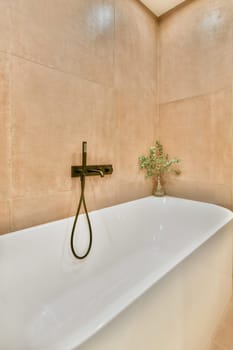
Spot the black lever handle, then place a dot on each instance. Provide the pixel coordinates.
(84, 155)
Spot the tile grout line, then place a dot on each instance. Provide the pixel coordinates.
(55, 69)
(226, 87)
(232, 115)
(158, 78)
(10, 121)
(7, 113)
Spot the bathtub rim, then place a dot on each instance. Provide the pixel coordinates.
(66, 219)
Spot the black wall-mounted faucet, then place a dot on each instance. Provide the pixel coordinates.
(90, 170)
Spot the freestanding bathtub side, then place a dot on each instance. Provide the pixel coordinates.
(158, 277)
(182, 310)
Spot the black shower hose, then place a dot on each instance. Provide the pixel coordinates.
(81, 200)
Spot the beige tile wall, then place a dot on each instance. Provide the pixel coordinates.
(108, 72)
(73, 71)
(195, 98)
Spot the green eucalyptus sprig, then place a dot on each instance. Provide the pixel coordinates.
(157, 163)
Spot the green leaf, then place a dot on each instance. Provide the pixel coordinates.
(157, 162)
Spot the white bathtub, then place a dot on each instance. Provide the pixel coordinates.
(142, 256)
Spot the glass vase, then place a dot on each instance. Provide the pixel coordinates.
(159, 190)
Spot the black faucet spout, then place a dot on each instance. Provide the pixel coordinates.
(96, 171)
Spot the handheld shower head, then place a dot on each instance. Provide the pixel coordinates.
(84, 155)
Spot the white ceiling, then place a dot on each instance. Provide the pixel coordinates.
(159, 7)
